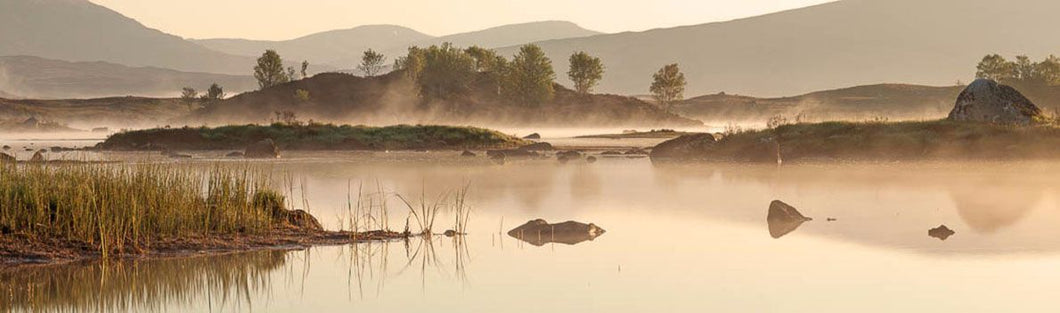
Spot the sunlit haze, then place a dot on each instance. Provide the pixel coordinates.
(286, 19)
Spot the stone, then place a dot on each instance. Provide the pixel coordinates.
(38, 157)
(590, 159)
(985, 100)
(534, 136)
(468, 154)
(538, 232)
(265, 149)
(783, 219)
(942, 232)
(511, 153)
(685, 147)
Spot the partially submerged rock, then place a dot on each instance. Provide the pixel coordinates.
(538, 146)
(539, 232)
(684, 147)
(564, 156)
(467, 153)
(511, 153)
(265, 149)
(985, 100)
(533, 136)
(942, 232)
(590, 159)
(6, 147)
(783, 219)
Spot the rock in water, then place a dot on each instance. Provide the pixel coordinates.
(38, 157)
(783, 219)
(591, 159)
(942, 232)
(467, 153)
(265, 149)
(7, 158)
(987, 101)
(539, 232)
(685, 147)
(533, 136)
(302, 220)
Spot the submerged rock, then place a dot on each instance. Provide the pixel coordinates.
(942, 232)
(265, 149)
(783, 219)
(985, 100)
(590, 159)
(539, 146)
(685, 147)
(533, 136)
(539, 232)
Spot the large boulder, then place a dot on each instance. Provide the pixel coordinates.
(987, 101)
(684, 147)
(539, 232)
(265, 149)
(783, 219)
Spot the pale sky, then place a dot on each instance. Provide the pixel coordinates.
(286, 19)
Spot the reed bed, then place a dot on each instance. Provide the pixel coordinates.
(115, 207)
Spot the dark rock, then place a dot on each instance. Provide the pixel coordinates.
(512, 153)
(611, 152)
(6, 147)
(533, 136)
(539, 146)
(985, 100)
(831, 219)
(590, 159)
(942, 232)
(783, 219)
(685, 147)
(38, 157)
(467, 153)
(636, 151)
(179, 156)
(303, 220)
(235, 154)
(7, 158)
(265, 149)
(539, 232)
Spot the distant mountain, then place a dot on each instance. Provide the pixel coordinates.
(325, 47)
(77, 30)
(34, 77)
(843, 43)
(343, 48)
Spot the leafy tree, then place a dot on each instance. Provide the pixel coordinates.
(412, 63)
(188, 94)
(996, 68)
(446, 72)
(1023, 68)
(585, 71)
(269, 71)
(301, 95)
(371, 63)
(214, 93)
(529, 76)
(486, 60)
(305, 68)
(668, 86)
(1047, 72)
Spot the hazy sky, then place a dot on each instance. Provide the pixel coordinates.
(285, 19)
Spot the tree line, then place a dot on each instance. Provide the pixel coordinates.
(1021, 71)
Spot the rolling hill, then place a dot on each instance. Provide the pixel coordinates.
(34, 77)
(78, 30)
(833, 45)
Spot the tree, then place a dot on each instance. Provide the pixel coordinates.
(486, 60)
(301, 95)
(214, 93)
(291, 74)
(1047, 72)
(188, 94)
(269, 71)
(305, 68)
(668, 86)
(585, 71)
(1023, 69)
(446, 72)
(412, 63)
(371, 63)
(996, 68)
(529, 76)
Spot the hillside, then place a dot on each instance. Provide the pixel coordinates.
(78, 30)
(118, 112)
(343, 48)
(892, 102)
(391, 99)
(39, 78)
(843, 43)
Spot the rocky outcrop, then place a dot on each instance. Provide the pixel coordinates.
(685, 147)
(534, 136)
(265, 149)
(985, 100)
(539, 232)
(783, 219)
(942, 232)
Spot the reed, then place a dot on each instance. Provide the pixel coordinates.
(116, 207)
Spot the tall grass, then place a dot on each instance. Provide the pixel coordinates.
(115, 207)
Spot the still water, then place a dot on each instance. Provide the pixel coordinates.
(679, 238)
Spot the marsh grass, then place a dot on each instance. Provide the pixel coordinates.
(117, 207)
